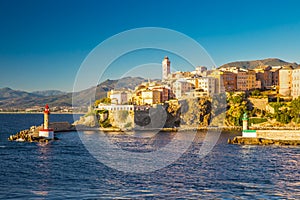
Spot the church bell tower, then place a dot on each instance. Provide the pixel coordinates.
(165, 68)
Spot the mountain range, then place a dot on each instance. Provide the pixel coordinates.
(47, 93)
(16, 99)
(255, 63)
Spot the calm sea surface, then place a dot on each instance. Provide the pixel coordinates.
(65, 169)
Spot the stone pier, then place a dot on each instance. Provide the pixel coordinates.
(268, 137)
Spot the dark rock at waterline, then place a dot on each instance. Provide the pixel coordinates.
(32, 134)
(261, 141)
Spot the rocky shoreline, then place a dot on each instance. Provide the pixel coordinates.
(29, 135)
(261, 141)
(32, 134)
(88, 123)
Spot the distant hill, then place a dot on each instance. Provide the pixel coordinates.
(101, 90)
(255, 63)
(8, 93)
(49, 93)
(10, 98)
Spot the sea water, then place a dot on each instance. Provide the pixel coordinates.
(66, 169)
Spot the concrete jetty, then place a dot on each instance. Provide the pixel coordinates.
(266, 137)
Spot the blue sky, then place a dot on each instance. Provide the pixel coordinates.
(43, 43)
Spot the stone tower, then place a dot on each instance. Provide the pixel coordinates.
(165, 68)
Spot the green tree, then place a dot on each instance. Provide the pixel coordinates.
(237, 106)
(282, 113)
(104, 100)
(255, 93)
(295, 110)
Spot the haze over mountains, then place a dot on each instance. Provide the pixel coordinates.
(12, 99)
(49, 93)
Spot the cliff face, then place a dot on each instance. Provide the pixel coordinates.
(151, 118)
(186, 113)
(196, 112)
(90, 121)
(191, 112)
(123, 119)
(173, 115)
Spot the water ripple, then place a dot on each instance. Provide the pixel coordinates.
(65, 169)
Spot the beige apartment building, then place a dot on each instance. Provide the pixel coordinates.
(264, 74)
(182, 87)
(150, 97)
(246, 80)
(285, 80)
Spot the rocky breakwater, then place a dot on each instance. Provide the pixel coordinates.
(29, 135)
(261, 141)
(32, 134)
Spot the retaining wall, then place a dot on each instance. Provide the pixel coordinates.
(60, 126)
(278, 134)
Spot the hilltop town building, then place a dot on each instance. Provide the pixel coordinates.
(165, 92)
(296, 82)
(246, 79)
(115, 107)
(202, 82)
(180, 74)
(200, 71)
(285, 80)
(264, 74)
(275, 75)
(151, 97)
(219, 83)
(119, 97)
(182, 87)
(229, 81)
(207, 85)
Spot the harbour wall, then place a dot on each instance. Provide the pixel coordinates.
(267, 137)
(61, 126)
(278, 134)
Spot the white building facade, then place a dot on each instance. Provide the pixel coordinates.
(285, 80)
(181, 87)
(207, 84)
(119, 98)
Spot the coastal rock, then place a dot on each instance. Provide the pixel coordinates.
(89, 121)
(32, 134)
(123, 119)
(261, 141)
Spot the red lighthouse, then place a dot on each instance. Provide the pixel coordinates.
(46, 132)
